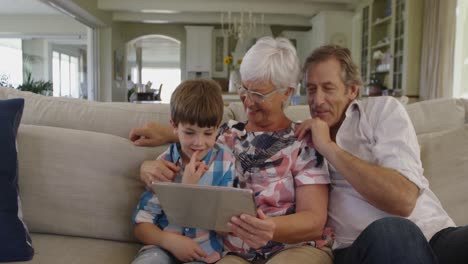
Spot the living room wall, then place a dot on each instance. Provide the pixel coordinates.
(40, 24)
(130, 31)
(109, 40)
(112, 40)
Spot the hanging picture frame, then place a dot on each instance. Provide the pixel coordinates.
(118, 65)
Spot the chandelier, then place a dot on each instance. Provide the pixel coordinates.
(241, 25)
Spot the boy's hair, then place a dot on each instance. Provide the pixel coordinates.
(197, 102)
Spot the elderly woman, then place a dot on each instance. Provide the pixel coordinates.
(290, 180)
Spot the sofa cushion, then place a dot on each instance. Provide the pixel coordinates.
(80, 183)
(445, 161)
(15, 243)
(116, 118)
(66, 249)
(437, 115)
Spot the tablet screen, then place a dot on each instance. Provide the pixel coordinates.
(202, 206)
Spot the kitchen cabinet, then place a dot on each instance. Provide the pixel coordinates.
(198, 51)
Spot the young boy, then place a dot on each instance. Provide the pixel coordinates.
(196, 113)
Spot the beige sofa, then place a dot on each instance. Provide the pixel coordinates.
(79, 173)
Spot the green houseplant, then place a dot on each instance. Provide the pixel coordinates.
(39, 87)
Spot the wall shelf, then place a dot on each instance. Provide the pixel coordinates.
(382, 45)
(380, 21)
(380, 72)
(399, 24)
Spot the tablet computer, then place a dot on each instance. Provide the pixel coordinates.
(202, 206)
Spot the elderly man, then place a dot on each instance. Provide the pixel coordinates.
(380, 204)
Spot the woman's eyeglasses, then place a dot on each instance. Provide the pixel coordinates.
(254, 96)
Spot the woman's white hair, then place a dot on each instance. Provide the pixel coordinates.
(272, 60)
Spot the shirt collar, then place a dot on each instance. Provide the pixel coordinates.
(355, 105)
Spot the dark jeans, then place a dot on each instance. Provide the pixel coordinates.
(450, 245)
(397, 240)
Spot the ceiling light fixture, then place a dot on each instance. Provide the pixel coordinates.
(241, 25)
(154, 21)
(160, 11)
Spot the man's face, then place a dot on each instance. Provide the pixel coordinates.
(194, 138)
(327, 94)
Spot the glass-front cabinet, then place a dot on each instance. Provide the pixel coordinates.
(365, 42)
(391, 46)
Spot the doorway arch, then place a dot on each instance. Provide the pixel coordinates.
(155, 58)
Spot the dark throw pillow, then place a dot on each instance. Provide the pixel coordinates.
(15, 242)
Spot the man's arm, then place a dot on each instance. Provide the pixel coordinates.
(384, 188)
(152, 134)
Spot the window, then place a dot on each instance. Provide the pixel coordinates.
(65, 75)
(11, 64)
(460, 78)
(166, 78)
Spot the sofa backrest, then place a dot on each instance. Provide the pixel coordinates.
(119, 118)
(110, 118)
(438, 115)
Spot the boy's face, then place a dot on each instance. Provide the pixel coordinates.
(194, 138)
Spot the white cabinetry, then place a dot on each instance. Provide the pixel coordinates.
(391, 44)
(331, 27)
(199, 51)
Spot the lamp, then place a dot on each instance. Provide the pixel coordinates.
(241, 25)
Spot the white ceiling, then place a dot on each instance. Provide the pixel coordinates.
(275, 12)
(10, 7)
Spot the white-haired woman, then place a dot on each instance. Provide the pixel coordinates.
(290, 180)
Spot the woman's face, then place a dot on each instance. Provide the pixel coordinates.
(262, 102)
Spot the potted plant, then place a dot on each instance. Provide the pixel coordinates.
(39, 87)
(234, 74)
